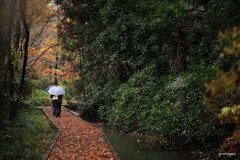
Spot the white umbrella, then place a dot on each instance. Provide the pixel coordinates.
(56, 90)
(49, 87)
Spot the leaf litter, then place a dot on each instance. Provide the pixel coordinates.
(78, 139)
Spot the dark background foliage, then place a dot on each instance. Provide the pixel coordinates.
(144, 63)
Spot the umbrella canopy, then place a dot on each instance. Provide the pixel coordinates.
(56, 90)
(49, 87)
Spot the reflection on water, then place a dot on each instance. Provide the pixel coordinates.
(128, 148)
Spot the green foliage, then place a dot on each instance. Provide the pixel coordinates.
(96, 101)
(28, 136)
(28, 86)
(129, 51)
(132, 99)
(171, 108)
(220, 15)
(41, 97)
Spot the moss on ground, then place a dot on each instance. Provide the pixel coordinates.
(28, 136)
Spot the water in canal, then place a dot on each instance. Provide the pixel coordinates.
(128, 148)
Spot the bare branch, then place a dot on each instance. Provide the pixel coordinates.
(42, 54)
(38, 35)
(39, 13)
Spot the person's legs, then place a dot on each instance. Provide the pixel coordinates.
(53, 109)
(57, 110)
(59, 106)
(55, 106)
(60, 97)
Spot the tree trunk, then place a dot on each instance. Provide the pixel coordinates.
(56, 67)
(22, 6)
(17, 34)
(12, 90)
(181, 57)
(2, 25)
(7, 48)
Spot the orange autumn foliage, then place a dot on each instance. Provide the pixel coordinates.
(42, 17)
(227, 83)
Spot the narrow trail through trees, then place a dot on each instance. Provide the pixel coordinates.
(77, 139)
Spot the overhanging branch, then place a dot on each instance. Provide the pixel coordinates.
(42, 54)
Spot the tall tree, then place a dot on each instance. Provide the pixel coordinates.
(7, 45)
(17, 34)
(55, 74)
(22, 6)
(181, 49)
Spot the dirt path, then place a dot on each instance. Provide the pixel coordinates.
(77, 139)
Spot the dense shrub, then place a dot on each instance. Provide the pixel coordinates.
(95, 103)
(171, 108)
(132, 100)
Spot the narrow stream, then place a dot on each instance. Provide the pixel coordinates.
(128, 148)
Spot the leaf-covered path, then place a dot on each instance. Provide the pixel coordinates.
(77, 139)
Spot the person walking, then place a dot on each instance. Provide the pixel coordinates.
(56, 94)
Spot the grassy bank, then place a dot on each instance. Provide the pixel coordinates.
(29, 136)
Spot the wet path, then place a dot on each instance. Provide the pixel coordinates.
(77, 139)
